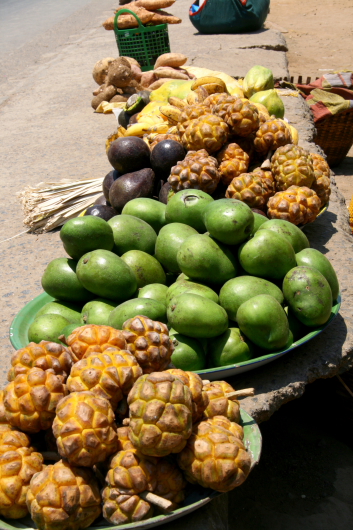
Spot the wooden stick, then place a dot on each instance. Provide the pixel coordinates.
(162, 503)
(266, 164)
(245, 392)
(51, 455)
(345, 386)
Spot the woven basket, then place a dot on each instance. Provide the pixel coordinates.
(334, 133)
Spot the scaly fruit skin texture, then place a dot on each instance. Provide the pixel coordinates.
(221, 421)
(166, 136)
(4, 424)
(233, 161)
(160, 414)
(271, 134)
(292, 165)
(84, 429)
(191, 112)
(214, 458)
(109, 375)
(219, 404)
(149, 342)
(298, 205)
(197, 171)
(200, 397)
(132, 473)
(170, 482)
(31, 399)
(241, 116)
(207, 132)
(65, 497)
(17, 467)
(322, 182)
(120, 508)
(124, 439)
(12, 440)
(44, 355)
(94, 339)
(252, 189)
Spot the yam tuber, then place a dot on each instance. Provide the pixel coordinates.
(105, 95)
(136, 72)
(148, 78)
(153, 5)
(119, 73)
(159, 83)
(171, 59)
(163, 18)
(169, 72)
(100, 70)
(119, 99)
(127, 21)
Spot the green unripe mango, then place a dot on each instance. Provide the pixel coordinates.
(97, 312)
(145, 267)
(238, 290)
(47, 327)
(308, 294)
(185, 286)
(263, 320)
(196, 316)
(155, 291)
(267, 255)
(168, 242)
(83, 234)
(188, 206)
(297, 328)
(204, 259)
(60, 281)
(229, 221)
(132, 233)
(134, 307)
(313, 258)
(188, 353)
(259, 220)
(106, 275)
(71, 312)
(149, 210)
(292, 233)
(230, 348)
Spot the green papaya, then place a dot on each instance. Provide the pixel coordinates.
(257, 79)
(271, 100)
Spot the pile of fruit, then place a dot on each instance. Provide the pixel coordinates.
(64, 404)
(120, 78)
(229, 283)
(150, 12)
(223, 144)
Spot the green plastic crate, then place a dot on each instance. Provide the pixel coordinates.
(145, 43)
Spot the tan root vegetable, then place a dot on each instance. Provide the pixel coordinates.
(129, 21)
(171, 59)
(100, 70)
(132, 61)
(99, 90)
(153, 5)
(159, 83)
(119, 99)
(105, 95)
(148, 78)
(136, 72)
(119, 73)
(164, 18)
(169, 72)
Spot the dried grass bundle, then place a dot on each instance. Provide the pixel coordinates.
(49, 205)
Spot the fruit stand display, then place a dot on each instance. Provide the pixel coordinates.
(190, 267)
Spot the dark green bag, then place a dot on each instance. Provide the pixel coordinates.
(228, 16)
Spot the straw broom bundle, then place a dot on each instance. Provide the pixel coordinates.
(49, 205)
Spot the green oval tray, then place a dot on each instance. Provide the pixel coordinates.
(194, 500)
(25, 317)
